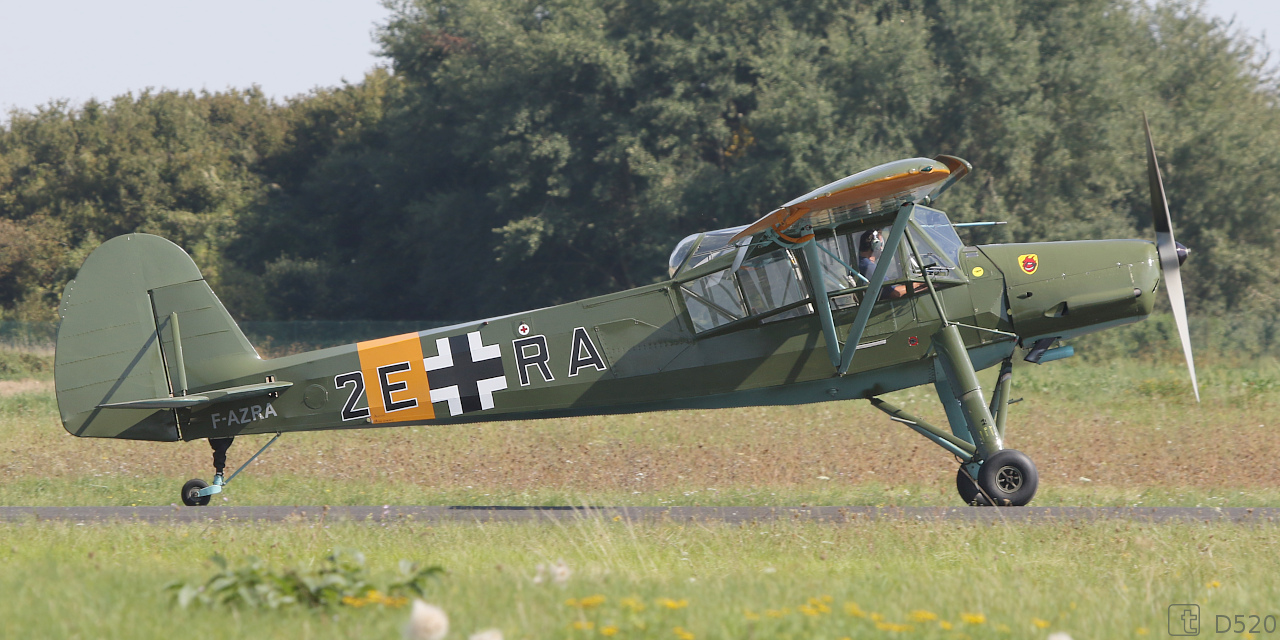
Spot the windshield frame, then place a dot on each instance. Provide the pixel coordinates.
(931, 235)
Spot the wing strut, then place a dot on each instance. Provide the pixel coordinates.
(872, 295)
(821, 301)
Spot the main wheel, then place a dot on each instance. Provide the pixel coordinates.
(191, 493)
(968, 490)
(1009, 477)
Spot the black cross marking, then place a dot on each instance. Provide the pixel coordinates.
(465, 373)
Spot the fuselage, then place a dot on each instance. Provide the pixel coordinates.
(709, 337)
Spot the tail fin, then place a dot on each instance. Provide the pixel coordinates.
(116, 343)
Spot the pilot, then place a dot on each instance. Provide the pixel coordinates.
(869, 248)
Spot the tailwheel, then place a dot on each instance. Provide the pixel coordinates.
(1009, 478)
(191, 493)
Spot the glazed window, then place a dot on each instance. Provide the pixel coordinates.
(940, 246)
(834, 274)
(772, 281)
(837, 276)
(713, 300)
(705, 247)
(868, 251)
(680, 253)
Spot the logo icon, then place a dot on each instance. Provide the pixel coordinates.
(1029, 263)
(465, 373)
(977, 272)
(523, 329)
(1184, 619)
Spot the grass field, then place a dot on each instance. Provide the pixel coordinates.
(781, 580)
(1120, 433)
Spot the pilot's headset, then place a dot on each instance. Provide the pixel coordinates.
(870, 241)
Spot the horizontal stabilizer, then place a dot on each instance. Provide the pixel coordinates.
(203, 398)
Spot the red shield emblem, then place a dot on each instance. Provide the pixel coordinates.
(1029, 263)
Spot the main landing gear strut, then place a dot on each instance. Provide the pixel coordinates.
(989, 474)
(197, 492)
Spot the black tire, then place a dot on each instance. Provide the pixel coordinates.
(968, 490)
(1009, 477)
(191, 493)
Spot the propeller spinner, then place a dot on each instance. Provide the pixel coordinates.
(1172, 254)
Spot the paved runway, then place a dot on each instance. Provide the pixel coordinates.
(730, 515)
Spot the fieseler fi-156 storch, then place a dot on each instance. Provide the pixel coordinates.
(854, 290)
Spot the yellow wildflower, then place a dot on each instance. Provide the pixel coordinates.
(608, 631)
(875, 617)
(946, 626)
(583, 625)
(633, 604)
(920, 615)
(853, 609)
(750, 615)
(1142, 631)
(777, 613)
(893, 626)
(673, 604)
(808, 610)
(819, 606)
(682, 633)
(1214, 585)
(1040, 624)
(973, 618)
(588, 602)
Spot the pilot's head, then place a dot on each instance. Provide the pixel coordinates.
(869, 243)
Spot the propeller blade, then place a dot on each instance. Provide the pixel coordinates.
(1167, 249)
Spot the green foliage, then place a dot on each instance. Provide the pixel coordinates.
(175, 164)
(342, 580)
(21, 365)
(522, 153)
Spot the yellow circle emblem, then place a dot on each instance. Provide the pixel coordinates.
(977, 272)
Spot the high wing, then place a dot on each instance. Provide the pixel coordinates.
(873, 192)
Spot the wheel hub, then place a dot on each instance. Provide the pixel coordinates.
(1009, 479)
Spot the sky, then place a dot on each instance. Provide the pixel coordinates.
(77, 49)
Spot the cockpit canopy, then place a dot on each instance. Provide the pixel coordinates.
(771, 281)
(705, 246)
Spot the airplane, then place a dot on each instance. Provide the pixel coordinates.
(854, 290)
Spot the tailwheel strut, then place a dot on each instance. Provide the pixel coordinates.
(197, 492)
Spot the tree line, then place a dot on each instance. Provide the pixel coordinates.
(521, 153)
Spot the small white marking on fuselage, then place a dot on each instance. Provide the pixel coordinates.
(246, 415)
